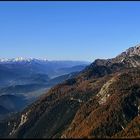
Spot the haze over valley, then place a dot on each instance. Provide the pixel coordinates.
(22, 81)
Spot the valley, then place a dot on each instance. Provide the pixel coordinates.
(24, 80)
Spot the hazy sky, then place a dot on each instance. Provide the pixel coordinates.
(68, 30)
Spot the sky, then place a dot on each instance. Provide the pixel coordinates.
(68, 30)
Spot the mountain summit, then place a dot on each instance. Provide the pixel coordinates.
(132, 51)
(102, 101)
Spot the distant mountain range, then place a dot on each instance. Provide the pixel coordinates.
(20, 59)
(101, 101)
(59, 63)
(31, 65)
(25, 71)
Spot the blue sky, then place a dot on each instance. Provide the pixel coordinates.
(68, 30)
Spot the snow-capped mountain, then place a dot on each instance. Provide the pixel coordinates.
(21, 59)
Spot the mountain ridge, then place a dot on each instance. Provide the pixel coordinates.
(102, 101)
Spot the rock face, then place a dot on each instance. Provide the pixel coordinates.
(132, 51)
(103, 101)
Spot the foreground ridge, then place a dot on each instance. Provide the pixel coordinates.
(103, 101)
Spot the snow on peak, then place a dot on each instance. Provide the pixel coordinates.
(21, 59)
